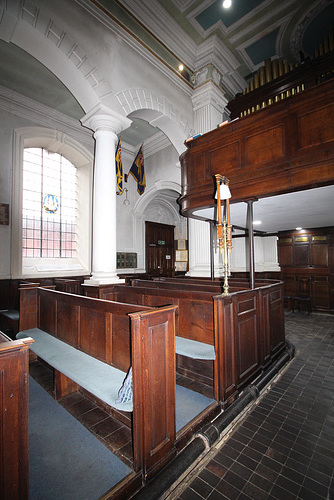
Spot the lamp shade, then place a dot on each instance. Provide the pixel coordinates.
(225, 193)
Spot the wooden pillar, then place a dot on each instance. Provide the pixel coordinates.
(212, 253)
(250, 243)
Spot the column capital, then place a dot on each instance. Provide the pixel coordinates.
(208, 94)
(103, 118)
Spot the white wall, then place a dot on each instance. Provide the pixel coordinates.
(17, 112)
(158, 203)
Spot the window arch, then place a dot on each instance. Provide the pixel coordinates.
(51, 215)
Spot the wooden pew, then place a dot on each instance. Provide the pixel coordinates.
(14, 456)
(246, 327)
(114, 335)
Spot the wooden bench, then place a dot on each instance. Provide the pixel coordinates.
(14, 456)
(245, 328)
(91, 343)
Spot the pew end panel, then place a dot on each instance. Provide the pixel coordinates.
(238, 338)
(14, 456)
(247, 335)
(226, 389)
(154, 382)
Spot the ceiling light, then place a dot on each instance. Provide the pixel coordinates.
(299, 228)
(227, 4)
(181, 67)
(257, 222)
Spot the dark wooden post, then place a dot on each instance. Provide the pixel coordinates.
(250, 243)
(212, 254)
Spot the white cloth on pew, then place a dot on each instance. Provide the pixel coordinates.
(125, 393)
(96, 377)
(194, 349)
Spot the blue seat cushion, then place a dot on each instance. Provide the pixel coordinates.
(98, 378)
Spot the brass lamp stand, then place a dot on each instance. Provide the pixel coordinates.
(224, 228)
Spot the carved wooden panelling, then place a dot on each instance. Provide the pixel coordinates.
(48, 314)
(277, 333)
(285, 255)
(283, 148)
(311, 127)
(302, 255)
(199, 327)
(94, 331)
(312, 261)
(230, 153)
(246, 305)
(265, 146)
(121, 342)
(198, 173)
(319, 255)
(248, 348)
(67, 322)
(158, 374)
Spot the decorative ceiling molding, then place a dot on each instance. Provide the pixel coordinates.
(296, 39)
(164, 27)
(258, 22)
(183, 5)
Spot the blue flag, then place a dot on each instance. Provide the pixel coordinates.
(119, 167)
(137, 171)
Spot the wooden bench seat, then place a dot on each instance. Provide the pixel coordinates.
(98, 378)
(9, 322)
(193, 349)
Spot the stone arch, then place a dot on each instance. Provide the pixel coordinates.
(158, 111)
(34, 31)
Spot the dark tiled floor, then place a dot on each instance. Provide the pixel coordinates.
(284, 447)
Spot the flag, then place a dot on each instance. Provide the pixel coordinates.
(119, 167)
(137, 171)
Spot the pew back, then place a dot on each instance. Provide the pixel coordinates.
(194, 316)
(120, 334)
(99, 328)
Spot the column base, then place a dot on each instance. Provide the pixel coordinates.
(104, 279)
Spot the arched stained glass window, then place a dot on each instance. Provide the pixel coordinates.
(49, 205)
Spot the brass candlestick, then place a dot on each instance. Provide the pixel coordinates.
(225, 228)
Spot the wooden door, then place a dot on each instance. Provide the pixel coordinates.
(159, 243)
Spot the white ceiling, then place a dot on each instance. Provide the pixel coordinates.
(307, 209)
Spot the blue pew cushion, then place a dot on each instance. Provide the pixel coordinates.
(98, 378)
(12, 314)
(194, 349)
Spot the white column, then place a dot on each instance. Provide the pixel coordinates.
(106, 125)
(209, 106)
(199, 248)
(209, 110)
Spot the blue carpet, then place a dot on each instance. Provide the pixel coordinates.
(66, 460)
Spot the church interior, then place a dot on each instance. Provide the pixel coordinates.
(156, 327)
